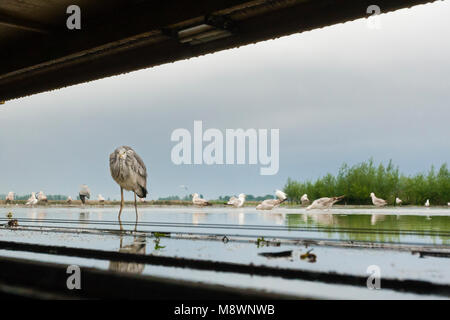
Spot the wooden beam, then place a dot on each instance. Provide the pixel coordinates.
(100, 30)
(58, 69)
(16, 23)
(27, 278)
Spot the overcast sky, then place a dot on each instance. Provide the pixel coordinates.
(339, 94)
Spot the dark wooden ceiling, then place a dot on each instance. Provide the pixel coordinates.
(39, 53)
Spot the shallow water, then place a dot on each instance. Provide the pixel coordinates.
(98, 228)
(425, 226)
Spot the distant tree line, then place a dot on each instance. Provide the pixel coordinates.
(249, 197)
(54, 197)
(358, 181)
(170, 198)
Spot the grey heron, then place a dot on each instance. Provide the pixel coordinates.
(84, 193)
(129, 171)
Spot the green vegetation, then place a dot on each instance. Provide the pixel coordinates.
(358, 181)
(249, 198)
(261, 242)
(221, 199)
(157, 246)
(376, 228)
(175, 198)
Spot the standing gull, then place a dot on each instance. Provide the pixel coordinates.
(304, 199)
(32, 200)
(10, 197)
(84, 193)
(378, 202)
(101, 199)
(237, 202)
(197, 201)
(269, 204)
(398, 201)
(427, 204)
(129, 171)
(324, 203)
(42, 197)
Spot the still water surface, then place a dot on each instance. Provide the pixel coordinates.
(404, 226)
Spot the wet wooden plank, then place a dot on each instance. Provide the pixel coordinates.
(33, 279)
(331, 277)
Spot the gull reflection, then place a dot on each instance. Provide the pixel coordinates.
(32, 214)
(241, 218)
(238, 216)
(36, 215)
(277, 218)
(100, 215)
(376, 217)
(305, 218)
(198, 217)
(327, 219)
(84, 217)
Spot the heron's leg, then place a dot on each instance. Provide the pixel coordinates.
(121, 226)
(135, 206)
(121, 201)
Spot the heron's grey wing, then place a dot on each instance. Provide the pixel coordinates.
(139, 168)
(137, 165)
(114, 164)
(112, 159)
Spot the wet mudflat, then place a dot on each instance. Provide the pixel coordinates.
(343, 240)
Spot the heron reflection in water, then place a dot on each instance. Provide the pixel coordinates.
(137, 247)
